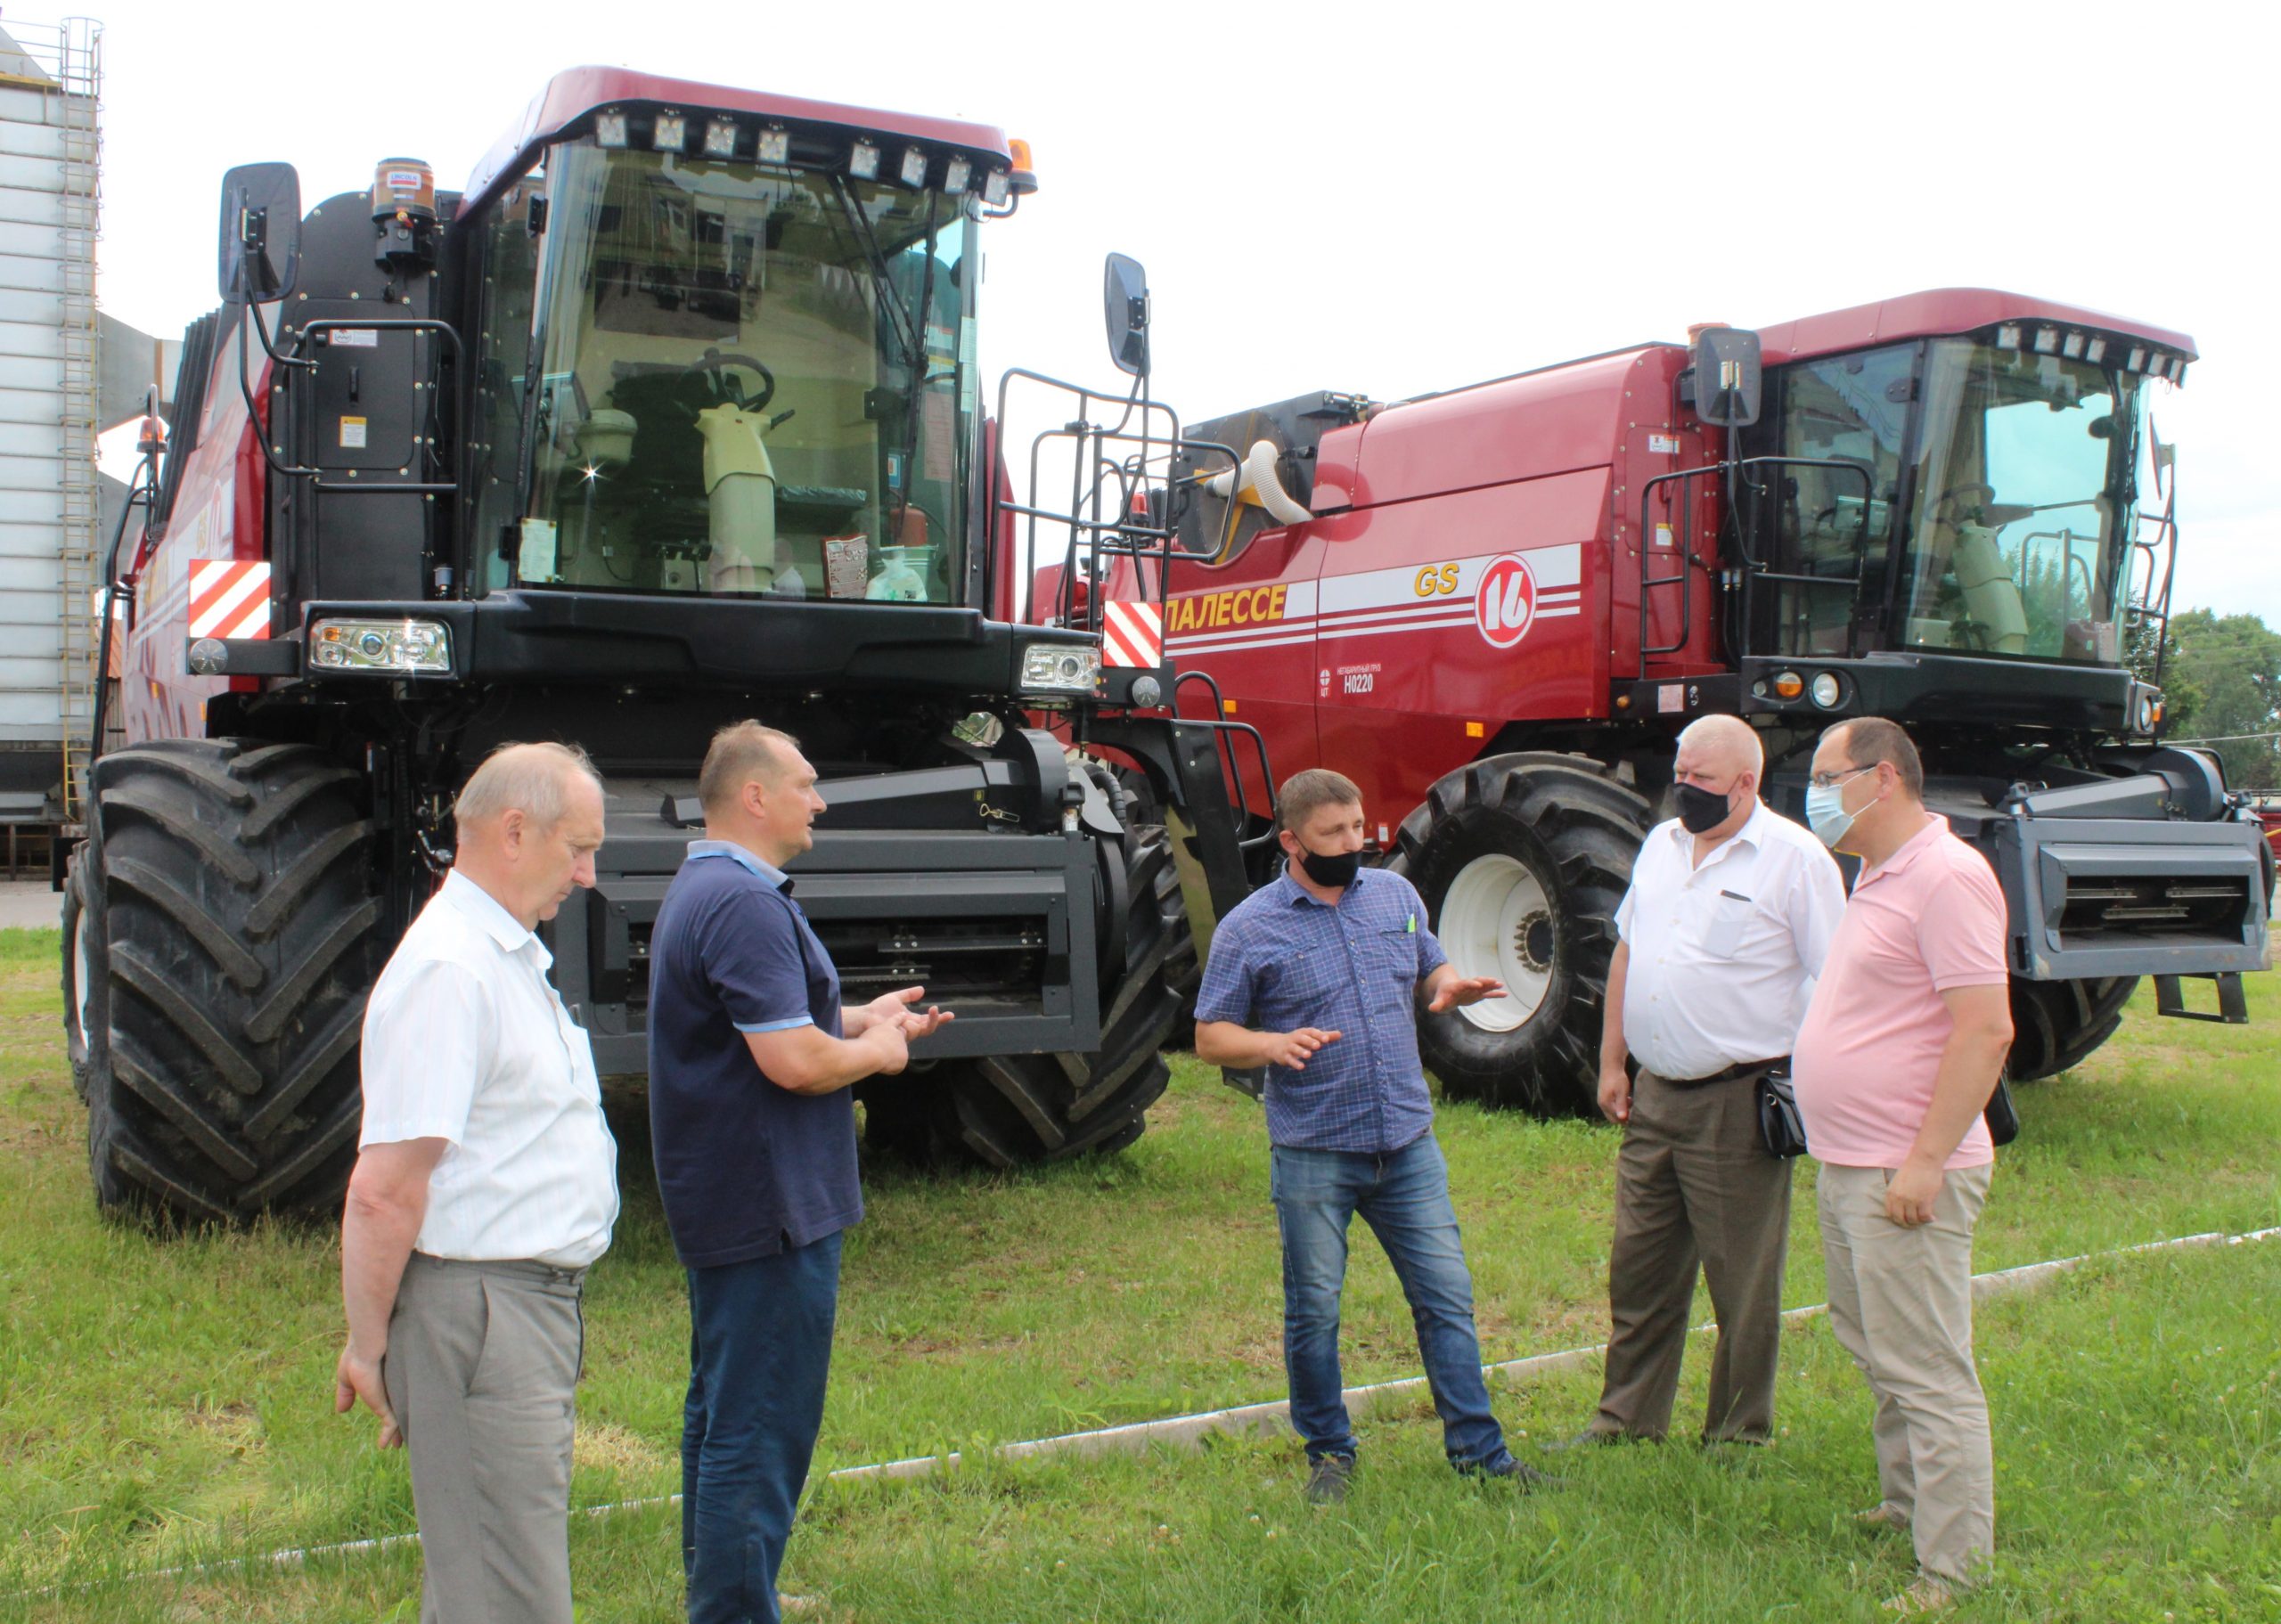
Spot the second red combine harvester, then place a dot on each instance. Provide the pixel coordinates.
(1495, 607)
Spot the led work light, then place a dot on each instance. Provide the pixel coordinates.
(388, 646)
(1060, 668)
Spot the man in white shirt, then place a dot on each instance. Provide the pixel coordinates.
(1728, 920)
(486, 1183)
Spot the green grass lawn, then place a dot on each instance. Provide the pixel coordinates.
(163, 1402)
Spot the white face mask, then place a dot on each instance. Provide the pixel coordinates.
(1826, 813)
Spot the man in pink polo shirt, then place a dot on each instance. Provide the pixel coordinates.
(1901, 1048)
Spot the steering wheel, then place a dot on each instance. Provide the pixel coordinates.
(730, 388)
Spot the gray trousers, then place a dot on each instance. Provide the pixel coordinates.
(482, 1362)
(1901, 1301)
(1695, 1186)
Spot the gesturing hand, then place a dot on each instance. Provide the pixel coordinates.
(1293, 1049)
(355, 1378)
(896, 1007)
(1464, 990)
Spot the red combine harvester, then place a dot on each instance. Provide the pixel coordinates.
(1494, 608)
(669, 417)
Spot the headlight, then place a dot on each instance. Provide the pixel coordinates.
(1060, 668)
(381, 645)
(2150, 711)
(1827, 689)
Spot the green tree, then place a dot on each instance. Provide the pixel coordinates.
(2223, 682)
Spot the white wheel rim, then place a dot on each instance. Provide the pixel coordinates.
(1496, 920)
(80, 971)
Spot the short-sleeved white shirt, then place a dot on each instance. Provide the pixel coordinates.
(1724, 957)
(466, 1039)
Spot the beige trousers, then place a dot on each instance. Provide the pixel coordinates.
(482, 1363)
(1901, 1301)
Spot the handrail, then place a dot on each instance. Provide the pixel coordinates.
(1752, 570)
(1226, 745)
(1148, 433)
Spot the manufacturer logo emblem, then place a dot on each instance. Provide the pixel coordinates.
(1505, 603)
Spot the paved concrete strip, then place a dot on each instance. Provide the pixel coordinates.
(29, 905)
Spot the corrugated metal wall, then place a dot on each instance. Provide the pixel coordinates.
(49, 202)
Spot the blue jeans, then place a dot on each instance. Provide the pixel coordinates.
(1404, 1196)
(759, 1350)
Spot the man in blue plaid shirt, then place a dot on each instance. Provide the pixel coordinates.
(1330, 960)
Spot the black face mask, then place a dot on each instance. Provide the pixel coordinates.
(1333, 873)
(1700, 811)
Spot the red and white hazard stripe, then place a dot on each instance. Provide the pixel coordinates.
(1132, 634)
(229, 597)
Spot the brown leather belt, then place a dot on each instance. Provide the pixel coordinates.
(1744, 1068)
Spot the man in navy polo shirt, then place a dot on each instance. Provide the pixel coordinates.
(754, 1133)
(1331, 959)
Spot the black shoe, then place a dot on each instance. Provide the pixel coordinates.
(1327, 1476)
(1525, 1478)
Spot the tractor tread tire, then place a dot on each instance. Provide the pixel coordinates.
(1577, 830)
(2055, 1024)
(1007, 1111)
(237, 945)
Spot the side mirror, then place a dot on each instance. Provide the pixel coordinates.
(261, 233)
(1728, 376)
(1125, 303)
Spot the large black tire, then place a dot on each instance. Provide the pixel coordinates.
(2055, 1024)
(1004, 1110)
(238, 942)
(1521, 860)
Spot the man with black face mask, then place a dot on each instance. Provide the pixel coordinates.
(1726, 922)
(1332, 958)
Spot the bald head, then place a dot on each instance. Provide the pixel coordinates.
(538, 780)
(530, 820)
(1728, 743)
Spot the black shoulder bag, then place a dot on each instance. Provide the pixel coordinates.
(1779, 1125)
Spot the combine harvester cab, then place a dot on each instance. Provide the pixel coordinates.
(668, 419)
(1495, 607)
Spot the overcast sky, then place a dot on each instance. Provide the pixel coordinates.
(1391, 199)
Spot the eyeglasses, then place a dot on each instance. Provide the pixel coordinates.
(1831, 781)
